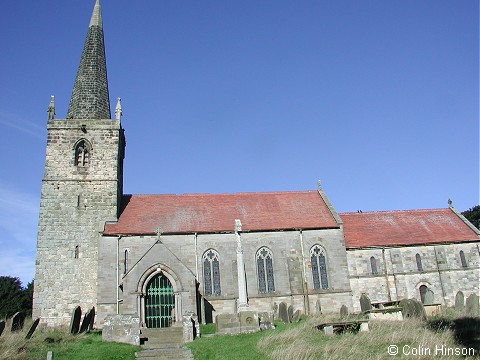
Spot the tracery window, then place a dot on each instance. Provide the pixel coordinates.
(373, 264)
(319, 267)
(211, 273)
(82, 153)
(462, 259)
(266, 284)
(419, 262)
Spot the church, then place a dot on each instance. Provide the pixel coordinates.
(159, 257)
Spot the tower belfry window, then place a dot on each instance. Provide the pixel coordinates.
(82, 154)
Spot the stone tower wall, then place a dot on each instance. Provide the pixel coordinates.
(75, 203)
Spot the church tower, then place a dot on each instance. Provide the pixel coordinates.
(81, 188)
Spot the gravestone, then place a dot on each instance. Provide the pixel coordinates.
(2, 326)
(318, 307)
(296, 316)
(75, 322)
(472, 305)
(87, 322)
(429, 297)
(275, 310)
(283, 312)
(290, 313)
(49, 355)
(17, 321)
(266, 320)
(92, 319)
(32, 329)
(343, 311)
(412, 308)
(365, 303)
(459, 301)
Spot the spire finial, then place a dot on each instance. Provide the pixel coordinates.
(96, 19)
(51, 108)
(118, 109)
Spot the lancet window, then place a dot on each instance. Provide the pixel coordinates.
(211, 273)
(319, 267)
(373, 265)
(266, 283)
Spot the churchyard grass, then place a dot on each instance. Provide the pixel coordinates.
(303, 341)
(63, 345)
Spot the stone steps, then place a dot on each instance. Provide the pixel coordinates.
(176, 353)
(164, 344)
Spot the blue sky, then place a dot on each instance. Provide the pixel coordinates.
(378, 99)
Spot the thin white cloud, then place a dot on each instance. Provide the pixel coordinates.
(15, 122)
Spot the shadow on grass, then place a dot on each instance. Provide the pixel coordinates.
(466, 330)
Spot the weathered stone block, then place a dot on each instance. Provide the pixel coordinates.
(122, 328)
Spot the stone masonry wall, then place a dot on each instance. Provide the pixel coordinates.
(182, 254)
(398, 276)
(75, 202)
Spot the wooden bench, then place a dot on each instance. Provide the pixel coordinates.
(335, 328)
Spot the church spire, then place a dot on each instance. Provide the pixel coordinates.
(90, 99)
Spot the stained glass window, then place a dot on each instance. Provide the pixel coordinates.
(266, 283)
(211, 273)
(319, 267)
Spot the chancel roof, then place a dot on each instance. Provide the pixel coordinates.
(409, 227)
(214, 213)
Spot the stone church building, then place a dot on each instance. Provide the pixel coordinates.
(163, 256)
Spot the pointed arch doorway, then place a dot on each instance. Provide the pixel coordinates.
(159, 302)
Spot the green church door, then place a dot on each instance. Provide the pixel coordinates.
(159, 302)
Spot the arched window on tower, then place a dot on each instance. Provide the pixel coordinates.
(373, 265)
(211, 273)
(419, 262)
(266, 284)
(319, 267)
(77, 252)
(82, 153)
(463, 260)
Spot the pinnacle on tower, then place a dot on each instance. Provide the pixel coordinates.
(90, 99)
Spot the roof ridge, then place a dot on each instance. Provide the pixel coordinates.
(390, 211)
(230, 194)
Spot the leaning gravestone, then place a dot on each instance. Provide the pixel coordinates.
(32, 329)
(459, 301)
(92, 319)
(75, 322)
(343, 311)
(290, 313)
(473, 306)
(2, 326)
(17, 321)
(283, 312)
(87, 323)
(275, 310)
(296, 316)
(365, 303)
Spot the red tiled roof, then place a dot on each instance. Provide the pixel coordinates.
(210, 213)
(410, 227)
